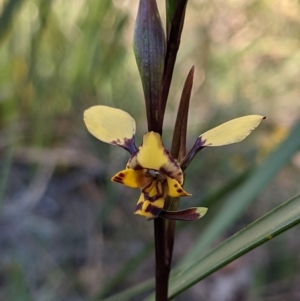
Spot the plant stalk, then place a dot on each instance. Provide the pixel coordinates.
(162, 266)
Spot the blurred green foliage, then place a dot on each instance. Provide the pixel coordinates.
(57, 58)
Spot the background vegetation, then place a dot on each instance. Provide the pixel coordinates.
(66, 232)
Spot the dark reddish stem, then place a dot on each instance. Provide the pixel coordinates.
(162, 266)
(173, 44)
(178, 151)
(163, 248)
(198, 146)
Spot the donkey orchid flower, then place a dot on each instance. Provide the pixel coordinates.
(151, 168)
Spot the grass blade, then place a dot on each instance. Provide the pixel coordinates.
(128, 294)
(262, 230)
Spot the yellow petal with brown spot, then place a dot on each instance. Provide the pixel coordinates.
(153, 155)
(232, 131)
(175, 189)
(109, 125)
(154, 190)
(147, 208)
(132, 178)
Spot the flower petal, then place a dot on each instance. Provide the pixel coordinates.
(232, 131)
(150, 209)
(132, 178)
(175, 189)
(154, 190)
(153, 155)
(190, 214)
(111, 125)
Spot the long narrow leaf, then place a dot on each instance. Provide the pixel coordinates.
(128, 294)
(262, 230)
(6, 17)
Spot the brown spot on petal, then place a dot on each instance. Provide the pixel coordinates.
(129, 144)
(164, 171)
(121, 175)
(176, 185)
(179, 190)
(116, 142)
(153, 198)
(153, 210)
(159, 189)
(118, 179)
(138, 206)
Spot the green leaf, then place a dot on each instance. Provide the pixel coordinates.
(262, 230)
(6, 18)
(16, 278)
(128, 294)
(246, 194)
(6, 166)
(170, 9)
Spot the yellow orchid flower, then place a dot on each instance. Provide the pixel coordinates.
(151, 168)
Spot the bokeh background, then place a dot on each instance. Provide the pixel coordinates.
(66, 232)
